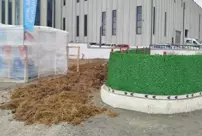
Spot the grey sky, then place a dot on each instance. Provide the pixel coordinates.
(199, 2)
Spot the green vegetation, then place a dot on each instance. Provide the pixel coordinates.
(155, 75)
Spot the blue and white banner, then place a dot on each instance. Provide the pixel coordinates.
(29, 14)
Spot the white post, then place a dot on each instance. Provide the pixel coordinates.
(55, 67)
(38, 63)
(25, 58)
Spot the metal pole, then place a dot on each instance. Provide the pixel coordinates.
(183, 33)
(151, 34)
(100, 36)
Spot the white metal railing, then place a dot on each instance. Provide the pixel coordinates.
(175, 47)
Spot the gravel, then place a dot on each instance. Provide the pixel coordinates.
(126, 124)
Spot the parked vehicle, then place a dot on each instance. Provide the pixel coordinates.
(192, 41)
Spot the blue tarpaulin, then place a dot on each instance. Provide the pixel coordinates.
(29, 14)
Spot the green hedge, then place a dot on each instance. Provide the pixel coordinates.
(155, 75)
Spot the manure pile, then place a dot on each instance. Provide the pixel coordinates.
(59, 99)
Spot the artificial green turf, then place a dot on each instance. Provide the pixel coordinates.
(155, 75)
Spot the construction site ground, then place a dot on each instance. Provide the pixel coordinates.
(127, 123)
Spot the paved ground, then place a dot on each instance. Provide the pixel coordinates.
(126, 124)
(4, 86)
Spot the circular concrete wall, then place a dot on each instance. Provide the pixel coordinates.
(152, 104)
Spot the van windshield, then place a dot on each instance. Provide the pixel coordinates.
(200, 42)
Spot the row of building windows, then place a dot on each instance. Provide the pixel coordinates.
(138, 22)
(154, 22)
(85, 25)
(114, 22)
(10, 12)
(51, 18)
(50, 12)
(77, 1)
(104, 23)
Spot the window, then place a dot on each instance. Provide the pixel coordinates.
(77, 25)
(103, 23)
(195, 42)
(154, 20)
(186, 33)
(188, 42)
(114, 22)
(38, 11)
(139, 20)
(64, 27)
(10, 12)
(165, 24)
(3, 12)
(49, 12)
(199, 36)
(85, 25)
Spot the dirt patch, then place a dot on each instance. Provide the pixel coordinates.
(60, 99)
(111, 114)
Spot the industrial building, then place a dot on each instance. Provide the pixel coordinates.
(49, 12)
(134, 22)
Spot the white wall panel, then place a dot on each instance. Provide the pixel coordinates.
(126, 19)
(114, 7)
(58, 7)
(90, 20)
(6, 8)
(132, 24)
(73, 25)
(109, 7)
(43, 16)
(94, 20)
(13, 12)
(81, 21)
(103, 9)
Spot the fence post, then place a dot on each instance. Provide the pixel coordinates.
(122, 51)
(78, 59)
(137, 50)
(77, 55)
(112, 49)
(164, 54)
(24, 56)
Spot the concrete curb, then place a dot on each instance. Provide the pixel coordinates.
(150, 103)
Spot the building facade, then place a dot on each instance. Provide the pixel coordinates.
(133, 22)
(48, 12)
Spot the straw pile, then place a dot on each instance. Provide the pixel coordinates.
(61, 99)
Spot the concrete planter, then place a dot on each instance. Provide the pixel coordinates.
(152, 104)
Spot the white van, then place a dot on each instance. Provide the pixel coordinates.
(192, 41)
